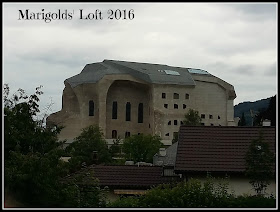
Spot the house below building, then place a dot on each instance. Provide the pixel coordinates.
(220, 151)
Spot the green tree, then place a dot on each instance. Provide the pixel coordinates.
(259, 164)
(33, 170)
(192, 118)
(242, 121)
(89, 147)
(141, 148)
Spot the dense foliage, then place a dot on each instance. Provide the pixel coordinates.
(260, 161)
(192, 118)
(33, 170)
(268, 113)
(89, 147)
(193, 194)
(141, 148)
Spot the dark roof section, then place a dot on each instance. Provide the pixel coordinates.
(130, 176)
(170, 157)
(150, 73)
(217, 148)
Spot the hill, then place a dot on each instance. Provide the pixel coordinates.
(245, 107)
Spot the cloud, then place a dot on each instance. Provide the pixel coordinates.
(235, 42)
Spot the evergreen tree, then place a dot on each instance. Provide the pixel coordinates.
(192, 118)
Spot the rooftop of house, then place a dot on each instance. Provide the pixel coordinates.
(218, 148)
(170, 157)
(128, 176)
(151, 73)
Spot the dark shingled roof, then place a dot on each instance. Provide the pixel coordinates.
(124, 176)
(130, 176)
(217, 148)
(92, 73)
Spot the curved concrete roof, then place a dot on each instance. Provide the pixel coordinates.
(152, 73)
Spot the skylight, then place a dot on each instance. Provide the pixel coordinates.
(170, 72)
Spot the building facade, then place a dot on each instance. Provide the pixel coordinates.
(126, 98)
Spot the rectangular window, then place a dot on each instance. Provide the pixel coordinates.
(128, 111)
(210, 117)
(203, 116)
(163, 95)
(187, 96)
(140, 113)
(175, 122)
(175, 106)
(127, 134)
(165, 105)
(91, 108)
(175, 96)
(184, 106)
(115, 110)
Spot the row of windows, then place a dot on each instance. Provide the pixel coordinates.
(115, 111)
(115, 134)
(175, 96)
(175, 122)
(175, 106)
(203, 116)
(128, 111)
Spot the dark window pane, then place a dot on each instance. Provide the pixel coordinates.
(115, 110)
(128, 111)
(187, 96)
(163, 95)
(140, 113)
(91, 108)
(175, 96)
(114, 134)
(175, 106)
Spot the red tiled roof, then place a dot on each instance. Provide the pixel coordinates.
(129, 175)
(217, 148)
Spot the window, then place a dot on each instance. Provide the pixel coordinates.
(182, 123)
(149, 126)
(187, 96)
(202, 124)
(140, 113)
(184, 106)
(166, 105)
(127, 134)
(114, 134)
(175, 135)
(91, 108)
(163, 95)
(175, 96)
(167, 134)
(115, 110)
(212, 124)
(210, 117)
(219, 117)
(127, 111)
(175, 122)
(169, 123)
(203, 116)
(175, 106)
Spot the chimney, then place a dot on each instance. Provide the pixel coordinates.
(162, 152)
(266, 123)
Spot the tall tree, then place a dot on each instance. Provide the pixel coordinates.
(242, 121)
(269, 113)
(141, 148)
(192, 118)
(260, 161)
(89, 147)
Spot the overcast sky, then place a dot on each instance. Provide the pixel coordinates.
(235, 42)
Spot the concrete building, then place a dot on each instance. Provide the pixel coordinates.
(126, 98)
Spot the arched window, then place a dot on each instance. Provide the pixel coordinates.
(140, 113)
(114, 134)
(115, 110)
(91, 108)
(127, 111)
(187, 96)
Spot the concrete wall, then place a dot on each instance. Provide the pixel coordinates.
(210, 96)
